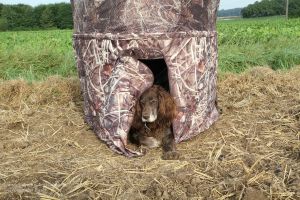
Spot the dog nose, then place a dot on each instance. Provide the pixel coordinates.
(146, 117)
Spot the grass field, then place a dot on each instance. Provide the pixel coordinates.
(34, 55)
(274, 42)
(244, 43)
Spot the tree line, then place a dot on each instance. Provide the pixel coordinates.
(270, 8)
(51, 16)
(229, 12)
(25, 17)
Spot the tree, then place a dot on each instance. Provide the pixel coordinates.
(53, 16)
(37, 14)
(17, 16)
(271, 8)
(47, 18)
(294, 8)
(1, 6)
(24, 17)
(229, 12)
(64, 16)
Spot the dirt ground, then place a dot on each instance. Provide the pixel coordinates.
(252, 152)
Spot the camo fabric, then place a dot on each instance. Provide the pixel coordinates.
(110, 37)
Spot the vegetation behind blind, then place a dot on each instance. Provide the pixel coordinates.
(270, 8)
(25, 17)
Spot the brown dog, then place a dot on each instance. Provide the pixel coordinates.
(152, 122)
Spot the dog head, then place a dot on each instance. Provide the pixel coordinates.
(156, 104)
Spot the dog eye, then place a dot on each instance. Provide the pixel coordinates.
(153, 101)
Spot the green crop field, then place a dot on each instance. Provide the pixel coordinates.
(34, 55)
(274, 42)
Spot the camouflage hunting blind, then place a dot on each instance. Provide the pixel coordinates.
(111, 37)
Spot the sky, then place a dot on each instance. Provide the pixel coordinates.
(225, 4)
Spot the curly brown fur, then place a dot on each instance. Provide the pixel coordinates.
(152, 122)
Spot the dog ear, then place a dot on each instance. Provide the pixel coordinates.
(167, 106)
(138, 109)
(137, 117)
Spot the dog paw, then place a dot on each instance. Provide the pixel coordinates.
(143, 150)
(170, 155)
